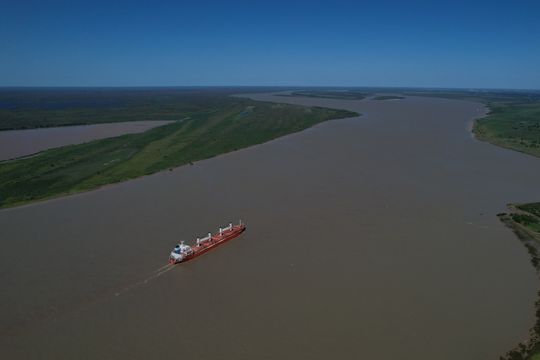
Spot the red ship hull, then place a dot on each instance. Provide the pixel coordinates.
(213, 242)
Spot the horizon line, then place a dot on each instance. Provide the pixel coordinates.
(260, 86)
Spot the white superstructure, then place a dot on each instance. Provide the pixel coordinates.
(181, 251)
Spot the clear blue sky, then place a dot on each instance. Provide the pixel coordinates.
(477, 44)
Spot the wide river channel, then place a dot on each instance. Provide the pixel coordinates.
(373, 237)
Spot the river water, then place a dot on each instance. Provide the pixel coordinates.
(17, 143)
(372, 237)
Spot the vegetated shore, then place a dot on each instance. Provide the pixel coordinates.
(525, 224)
(514, 123)
(512, 126)
(232, 124)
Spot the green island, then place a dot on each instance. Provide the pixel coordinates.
(387, 97)
(350, 94)
(213, 125)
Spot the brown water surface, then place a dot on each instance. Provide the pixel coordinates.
(18, 143)
(368, 238)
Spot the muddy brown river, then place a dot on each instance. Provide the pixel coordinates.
(18, 143)
(368, 238)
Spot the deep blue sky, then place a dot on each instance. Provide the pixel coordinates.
(476, 44)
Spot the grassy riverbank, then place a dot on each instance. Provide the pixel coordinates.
(513, 120)
(512, 125)
(515, 124)
(236, 124)
(524, 220)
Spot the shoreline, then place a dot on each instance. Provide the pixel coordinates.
(31, 203)
(41, 139)
(529, 347)
(44, 127)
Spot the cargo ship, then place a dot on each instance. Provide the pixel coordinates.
(183, 252)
